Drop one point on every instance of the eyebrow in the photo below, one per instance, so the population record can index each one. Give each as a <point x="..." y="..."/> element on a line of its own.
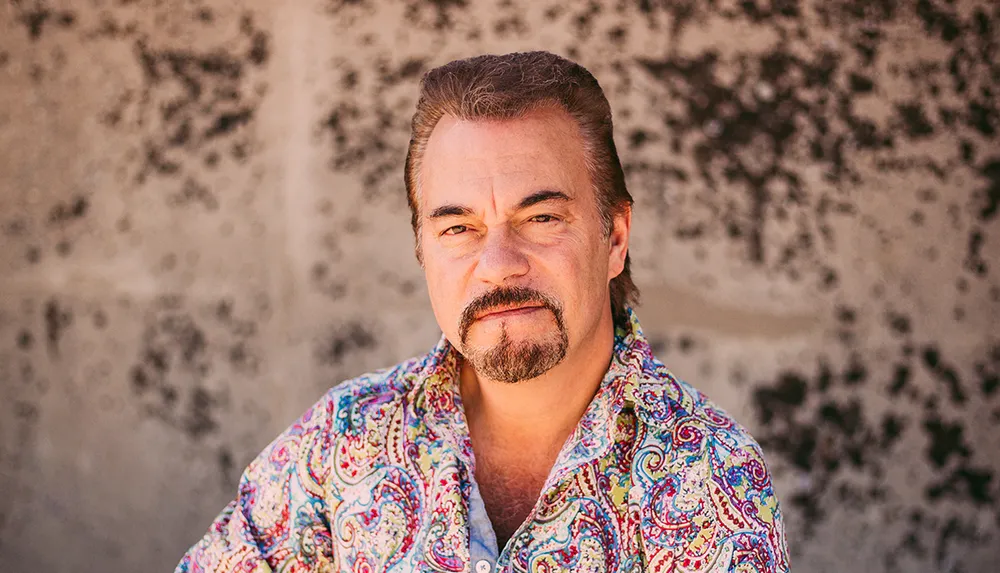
<point x="535" y="198"/>
<point x="541" y="197"/>
<point x="449" y="211"/>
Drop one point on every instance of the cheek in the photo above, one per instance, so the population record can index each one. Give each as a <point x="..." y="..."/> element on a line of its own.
<point x="593" y="278"/>
<point x="444" y="287"/>
<point x="592" y="253"/>
<point x="578" y="266"/>
<point x="437" y="284"/>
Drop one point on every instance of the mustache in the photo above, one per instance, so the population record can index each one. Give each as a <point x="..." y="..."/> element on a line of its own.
<point x="507" y="296"/>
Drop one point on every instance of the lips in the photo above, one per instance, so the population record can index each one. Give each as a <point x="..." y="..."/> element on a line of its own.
<point x="510" y="311"/>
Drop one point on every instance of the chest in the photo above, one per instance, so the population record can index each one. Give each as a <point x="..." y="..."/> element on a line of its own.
<point x="410" y="511"/>
<point x="581" y="529"/>
<point x="509" y="494"/>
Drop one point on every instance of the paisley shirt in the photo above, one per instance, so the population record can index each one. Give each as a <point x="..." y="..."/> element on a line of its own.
<point x="378" y="476"/>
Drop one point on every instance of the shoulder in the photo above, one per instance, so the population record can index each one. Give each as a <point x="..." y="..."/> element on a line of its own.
<point x="674" y="410"/>
<point x="705" y="493"/>
<point x="356" y="410"/>
<point x="362" y="403"/>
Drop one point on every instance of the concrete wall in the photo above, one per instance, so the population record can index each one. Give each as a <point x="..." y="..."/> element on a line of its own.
<point x="203" y="227"/>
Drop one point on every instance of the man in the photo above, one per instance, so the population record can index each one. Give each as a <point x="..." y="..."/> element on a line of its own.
<point x="540" y="434"/>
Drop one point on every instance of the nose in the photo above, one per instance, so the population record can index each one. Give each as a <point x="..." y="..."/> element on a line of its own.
<point x="501" y="258"/>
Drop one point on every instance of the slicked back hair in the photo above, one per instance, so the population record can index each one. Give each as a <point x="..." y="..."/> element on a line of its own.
<point x="510" y="86"/>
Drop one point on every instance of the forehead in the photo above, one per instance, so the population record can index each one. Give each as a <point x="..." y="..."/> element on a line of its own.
<point x="542" y="148"/>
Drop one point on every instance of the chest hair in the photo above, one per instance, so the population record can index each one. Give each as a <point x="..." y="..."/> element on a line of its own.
<point x="509" y="492"/>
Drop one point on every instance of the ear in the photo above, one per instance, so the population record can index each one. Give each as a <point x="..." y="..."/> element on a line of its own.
<point x="618" y="241"/>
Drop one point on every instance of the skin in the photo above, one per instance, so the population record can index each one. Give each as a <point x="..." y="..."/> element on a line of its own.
<point x="510" y="203"/>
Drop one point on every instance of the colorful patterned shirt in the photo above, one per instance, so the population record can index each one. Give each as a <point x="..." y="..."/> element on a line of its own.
<point x="378" y="476"/>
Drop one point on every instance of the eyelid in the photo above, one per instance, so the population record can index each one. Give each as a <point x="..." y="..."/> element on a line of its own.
<point x="446" y="233"/>
<point x="549" y="215"/>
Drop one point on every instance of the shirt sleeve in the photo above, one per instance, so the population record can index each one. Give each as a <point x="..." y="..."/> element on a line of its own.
<point x="278" y="520"/>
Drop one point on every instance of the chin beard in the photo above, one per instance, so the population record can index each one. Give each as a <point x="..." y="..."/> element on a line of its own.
<point x="511" y="362"/>
<point x="508" y="360"/>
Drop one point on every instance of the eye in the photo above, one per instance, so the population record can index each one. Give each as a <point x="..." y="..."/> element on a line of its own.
<point x="543" y="219"/>
<point x="457" y="229"/>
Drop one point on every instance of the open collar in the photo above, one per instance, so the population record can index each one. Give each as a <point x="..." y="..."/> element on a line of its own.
<point x="635" y="382"/>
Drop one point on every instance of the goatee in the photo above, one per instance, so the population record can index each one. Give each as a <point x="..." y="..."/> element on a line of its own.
<point x="508" y="360"/>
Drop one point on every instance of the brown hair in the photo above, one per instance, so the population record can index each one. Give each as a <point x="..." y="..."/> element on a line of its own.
<point x="492" y="87"/>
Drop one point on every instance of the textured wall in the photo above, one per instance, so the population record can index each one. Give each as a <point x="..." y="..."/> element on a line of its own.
<point x="203" y="227"/>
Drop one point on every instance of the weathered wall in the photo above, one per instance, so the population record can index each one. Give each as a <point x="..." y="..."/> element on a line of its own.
<point x="203" y="227"/>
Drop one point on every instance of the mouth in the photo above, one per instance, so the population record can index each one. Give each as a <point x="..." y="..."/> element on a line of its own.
<point x="509" y="312"/>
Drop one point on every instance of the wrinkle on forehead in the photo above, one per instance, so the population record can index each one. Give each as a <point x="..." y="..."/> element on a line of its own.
<point x="543" y="147"/>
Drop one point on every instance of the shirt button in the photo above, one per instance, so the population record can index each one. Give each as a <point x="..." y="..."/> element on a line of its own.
<point x="483" y="566"/>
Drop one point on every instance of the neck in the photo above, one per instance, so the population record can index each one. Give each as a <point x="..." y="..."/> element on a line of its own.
<point x="535" y="417"/>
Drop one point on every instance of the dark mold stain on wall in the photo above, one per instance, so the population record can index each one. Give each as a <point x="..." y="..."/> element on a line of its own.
<point x="183" y="104"/>
<point x="179" y="374"/>
<point x="195" y="108"/>
<point x="21" y="392"/>
<point x="365" y="130"/>
<point x="343" y="340"/>
<point x="437" y="15"/>
<point x="40" y="336"/>
<point x="64" y="212"/>
<point x="36" y="17"/>
<point x="58" y="229"/>
<point x="806" y="419"/>
<point x="57" y="319"/>
<point x="175" y="345"/>
<point x="785" y="111"/>
<point x="742" y="136"/>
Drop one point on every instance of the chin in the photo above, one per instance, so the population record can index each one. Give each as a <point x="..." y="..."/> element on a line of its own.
<point x="511" y="359"/>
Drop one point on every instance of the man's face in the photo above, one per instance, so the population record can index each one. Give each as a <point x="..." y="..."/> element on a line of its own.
<point x="516" y="258"/>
